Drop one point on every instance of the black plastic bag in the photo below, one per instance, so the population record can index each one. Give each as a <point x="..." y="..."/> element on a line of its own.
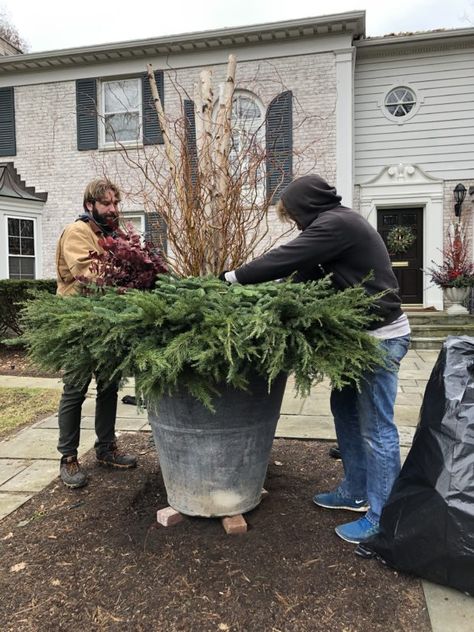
<point x="427" y="525"/>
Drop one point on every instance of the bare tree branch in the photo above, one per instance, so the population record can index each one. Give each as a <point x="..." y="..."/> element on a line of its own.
<point x="211" y="194"/>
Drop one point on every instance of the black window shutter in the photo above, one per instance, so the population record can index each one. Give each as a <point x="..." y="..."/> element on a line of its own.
<point x="7" y="122"/>
<point x="279" y="144"/>
<point x="86" y="112"/>
<point x="152" y="134"/>
<point x="190" y="136"/>
<point x="156" y="231"/>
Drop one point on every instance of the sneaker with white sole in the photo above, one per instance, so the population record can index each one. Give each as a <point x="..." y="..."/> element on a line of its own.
<point x="336" y="500"/>
<point x="357" y="531"/>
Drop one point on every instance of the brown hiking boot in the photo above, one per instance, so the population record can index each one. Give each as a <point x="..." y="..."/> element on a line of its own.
<point x="70" y="472"/>
<point x="113" y="457"/>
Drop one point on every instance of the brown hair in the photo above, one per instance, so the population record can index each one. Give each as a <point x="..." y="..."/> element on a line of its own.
<point x="282" y="212"/>
<point x="96" y="190"/>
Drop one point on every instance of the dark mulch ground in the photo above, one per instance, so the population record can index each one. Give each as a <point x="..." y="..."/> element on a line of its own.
<point x="14" y="361"/>
<point x="95" y="559"/>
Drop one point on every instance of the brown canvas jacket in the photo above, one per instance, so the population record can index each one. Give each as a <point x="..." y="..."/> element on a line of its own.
<point x="73" y="255"/>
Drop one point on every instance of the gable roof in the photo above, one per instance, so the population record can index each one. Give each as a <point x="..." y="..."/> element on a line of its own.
<point x="7" y="48"/>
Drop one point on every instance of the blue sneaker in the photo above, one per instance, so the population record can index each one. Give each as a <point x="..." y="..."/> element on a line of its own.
<point x="357" y="531"/>
<point x="335" y="500"/>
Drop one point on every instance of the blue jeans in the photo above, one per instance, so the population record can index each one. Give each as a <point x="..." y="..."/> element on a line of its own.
<point x="366" y="433"/>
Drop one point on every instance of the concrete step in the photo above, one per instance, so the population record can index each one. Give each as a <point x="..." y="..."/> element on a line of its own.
<point x="430" y="328"/>
<point x="426" y="343"/>
<point x="441" y="331"/>
<point x="441" y="318"/>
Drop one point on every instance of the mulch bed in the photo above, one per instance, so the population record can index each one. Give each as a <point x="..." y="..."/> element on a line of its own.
<point x="14" y="361"/>
<point x="95" y="559"/>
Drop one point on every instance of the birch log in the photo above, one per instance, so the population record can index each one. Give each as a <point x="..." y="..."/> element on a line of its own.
<point x="207" y="166"/>
<point x="222" y="141"/>
<point x="170" y="155"/>
<point x="225" y="116"/>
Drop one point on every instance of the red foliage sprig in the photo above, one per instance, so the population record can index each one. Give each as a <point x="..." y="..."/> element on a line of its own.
<point x="127" y="262"/>
<point x="457" y="269"/>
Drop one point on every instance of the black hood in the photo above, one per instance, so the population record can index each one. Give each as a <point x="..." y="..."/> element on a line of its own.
<point x="305" y="198"/>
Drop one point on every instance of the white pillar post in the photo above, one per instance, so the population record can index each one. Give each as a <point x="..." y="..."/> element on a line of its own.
<point x="345" y="123"/>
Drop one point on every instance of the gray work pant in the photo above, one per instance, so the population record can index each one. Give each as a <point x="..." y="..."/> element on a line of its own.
<point x="69" y="416"/>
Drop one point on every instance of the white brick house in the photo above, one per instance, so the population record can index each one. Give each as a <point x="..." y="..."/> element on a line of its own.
<point x="334" y="82"/>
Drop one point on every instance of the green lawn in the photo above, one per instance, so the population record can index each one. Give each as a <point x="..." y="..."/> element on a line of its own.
<point x="20" y="406"/>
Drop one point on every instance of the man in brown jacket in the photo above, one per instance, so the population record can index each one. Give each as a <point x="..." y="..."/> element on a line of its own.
<point x="73" y="260"/>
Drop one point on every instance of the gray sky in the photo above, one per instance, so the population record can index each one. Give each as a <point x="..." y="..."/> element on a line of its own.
<point x="53" y="24"/>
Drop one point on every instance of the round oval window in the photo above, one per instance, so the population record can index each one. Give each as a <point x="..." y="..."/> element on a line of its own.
<point x="400" y="101"/>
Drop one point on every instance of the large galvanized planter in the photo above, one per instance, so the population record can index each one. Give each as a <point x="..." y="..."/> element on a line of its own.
<point x="214" y="463"/>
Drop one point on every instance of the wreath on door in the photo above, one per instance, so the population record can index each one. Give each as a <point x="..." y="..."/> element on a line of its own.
<point x="399" y="239"/>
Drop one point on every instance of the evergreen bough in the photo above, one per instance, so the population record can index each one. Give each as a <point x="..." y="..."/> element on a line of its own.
<point x="199" y="332"/>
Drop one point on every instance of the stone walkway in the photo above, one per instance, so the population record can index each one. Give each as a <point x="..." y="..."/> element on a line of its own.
<point x="29" y="460"/>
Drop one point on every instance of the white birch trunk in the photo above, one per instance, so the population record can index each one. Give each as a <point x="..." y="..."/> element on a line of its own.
<point x="166" y="136"/>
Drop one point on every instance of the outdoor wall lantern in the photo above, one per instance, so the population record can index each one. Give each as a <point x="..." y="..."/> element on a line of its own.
<point x="459" y="195"/>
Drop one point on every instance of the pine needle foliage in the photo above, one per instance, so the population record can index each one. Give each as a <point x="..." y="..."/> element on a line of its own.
<point x="199" y="332"/>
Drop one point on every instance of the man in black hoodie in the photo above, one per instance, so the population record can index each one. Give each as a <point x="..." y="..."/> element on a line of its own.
<point x="334" y="239"/>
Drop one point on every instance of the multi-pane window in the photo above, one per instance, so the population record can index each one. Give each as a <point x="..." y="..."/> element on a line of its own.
<point x="400" y="101"/>
<point x="137" y="221"/>
<point x="247" y="124"/>
<point x="247" y="155"/>
<point x="122" y="111"/>
<point x="21" y="248"/>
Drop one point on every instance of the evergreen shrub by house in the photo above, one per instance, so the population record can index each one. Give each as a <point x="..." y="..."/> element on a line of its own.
<point x="13" y="294"/>
<point x="199" y="332"/>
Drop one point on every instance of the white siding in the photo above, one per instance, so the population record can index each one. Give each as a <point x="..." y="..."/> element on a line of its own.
<point x="440" y="136"/>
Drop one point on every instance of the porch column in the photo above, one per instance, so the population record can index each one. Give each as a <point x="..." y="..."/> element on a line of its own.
<point x="345" y="59"/>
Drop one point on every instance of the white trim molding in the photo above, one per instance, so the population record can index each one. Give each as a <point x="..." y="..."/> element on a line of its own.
<point x="406" y="185"/>
<point x="351" y="24"/>
<point x="345" y="60"/>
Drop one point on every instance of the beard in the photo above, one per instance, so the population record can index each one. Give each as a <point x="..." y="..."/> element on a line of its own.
<point x="108" y="223"/>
